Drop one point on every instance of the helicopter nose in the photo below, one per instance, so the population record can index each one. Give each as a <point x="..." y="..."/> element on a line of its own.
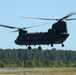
<point x="16" y="41"/>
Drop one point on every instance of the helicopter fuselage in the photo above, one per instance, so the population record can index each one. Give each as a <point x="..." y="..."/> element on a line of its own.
<point x="57" y="35"/>
<point x="41" y="38"/>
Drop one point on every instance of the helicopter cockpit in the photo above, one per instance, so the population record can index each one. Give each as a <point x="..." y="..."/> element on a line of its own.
<point x="21" y="32"/>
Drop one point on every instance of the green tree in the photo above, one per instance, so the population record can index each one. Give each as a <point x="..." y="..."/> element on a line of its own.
<point x="69" y="63"/>
<point x="20" y="63"/>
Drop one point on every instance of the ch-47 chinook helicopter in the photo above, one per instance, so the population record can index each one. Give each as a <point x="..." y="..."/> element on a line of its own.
<point x="56" y="35"/>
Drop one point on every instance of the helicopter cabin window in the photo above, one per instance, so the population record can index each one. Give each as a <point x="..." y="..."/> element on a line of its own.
<point x="27" y="37"/>
<point x="34" y="38"/>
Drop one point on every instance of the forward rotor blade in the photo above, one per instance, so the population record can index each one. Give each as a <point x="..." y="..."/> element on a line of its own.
<point x="31" y="26"/>
<point x="11" y="27"/>
<point x="39" y="18"/>
<point x="8" y="26"/>
<point x="36" y="25"/>
<point x="68" y="16"/>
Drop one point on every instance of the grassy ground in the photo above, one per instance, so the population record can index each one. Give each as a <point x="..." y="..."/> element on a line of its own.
<point x="39" y="71"/>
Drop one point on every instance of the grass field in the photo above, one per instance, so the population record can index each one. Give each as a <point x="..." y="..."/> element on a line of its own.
<point x="38" y="71"/>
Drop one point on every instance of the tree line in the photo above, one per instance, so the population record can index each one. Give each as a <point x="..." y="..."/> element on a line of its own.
<point x="37" y="58"/>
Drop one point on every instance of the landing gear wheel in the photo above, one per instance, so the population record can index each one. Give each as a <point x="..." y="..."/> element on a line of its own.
<point x="62" y="45"/>
<point x="51" y="45"/>
<point x="29" y="47"/>
<point x="39" y="48"/>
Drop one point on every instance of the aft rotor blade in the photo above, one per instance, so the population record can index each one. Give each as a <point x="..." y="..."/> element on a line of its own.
<point x="53" y="19"/>
<point x="39" y="18"/>
<point x="68" y="16"/>
<point x="8" y="26"/>
<point x="71" y="19"/>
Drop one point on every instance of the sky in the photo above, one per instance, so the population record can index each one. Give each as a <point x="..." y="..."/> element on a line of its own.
<point x="11" y="10"/>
